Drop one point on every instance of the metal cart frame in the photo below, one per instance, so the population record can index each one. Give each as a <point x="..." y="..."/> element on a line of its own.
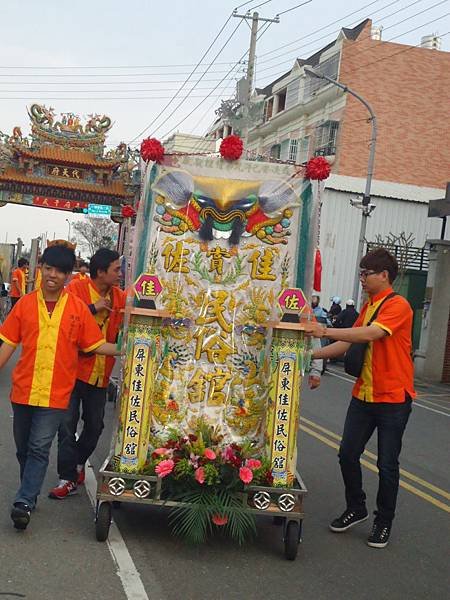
<point x="283" y="505"/>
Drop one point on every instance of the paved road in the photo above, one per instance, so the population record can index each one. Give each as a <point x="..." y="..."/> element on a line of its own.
<point x="57" y="557"/>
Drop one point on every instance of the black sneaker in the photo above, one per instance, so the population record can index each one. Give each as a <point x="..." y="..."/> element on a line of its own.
<point x="347" y="520"/>
<point x="379" y="537"/>
<point x="20" y="514"/>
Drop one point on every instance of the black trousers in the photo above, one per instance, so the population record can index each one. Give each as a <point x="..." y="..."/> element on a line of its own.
<point x="72" y="452"/>
<point x="362" y="419"/>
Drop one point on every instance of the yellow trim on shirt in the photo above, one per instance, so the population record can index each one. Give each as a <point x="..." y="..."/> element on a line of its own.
<point x="94" y="346"/>
<point x="7" y="341"/>
<point x="383" y="327"/>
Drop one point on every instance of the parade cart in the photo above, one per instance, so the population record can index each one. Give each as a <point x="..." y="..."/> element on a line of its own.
<point x="223" y="262"/>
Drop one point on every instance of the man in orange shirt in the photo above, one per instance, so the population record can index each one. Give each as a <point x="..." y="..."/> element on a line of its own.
<point x="106" y="301"/>
<point x="52" y="326"/>
<point x="382" y="393"/>
<point x="82" y="273"/>
<point x="19" y="281"/>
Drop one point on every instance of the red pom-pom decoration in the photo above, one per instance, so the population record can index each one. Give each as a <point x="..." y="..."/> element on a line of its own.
<point x="317" y="168"/>
<point x="128" y="211"/>
<point x="231" y="147"/>
<point x="152" y="149"/>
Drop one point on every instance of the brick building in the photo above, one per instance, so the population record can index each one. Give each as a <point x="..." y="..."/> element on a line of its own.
<point x="408" y="88"/>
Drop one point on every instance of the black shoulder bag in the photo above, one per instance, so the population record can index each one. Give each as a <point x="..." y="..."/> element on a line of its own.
<point x="354" y="357"/>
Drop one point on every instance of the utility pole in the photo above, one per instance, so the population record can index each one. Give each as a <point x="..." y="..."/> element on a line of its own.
<point x="365" y="206"/>
<point x="255" y="19"/>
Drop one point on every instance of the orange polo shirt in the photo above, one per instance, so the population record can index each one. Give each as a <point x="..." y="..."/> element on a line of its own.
<point x="46" y="371"/>
<point x="387" y="371"/>
<point x="18" y="283"/>
<point x="95" y="369"/>
<point x="79" y="277"/>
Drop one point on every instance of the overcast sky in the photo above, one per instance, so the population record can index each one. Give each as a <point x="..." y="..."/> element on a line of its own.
<point x="159" y="44"/>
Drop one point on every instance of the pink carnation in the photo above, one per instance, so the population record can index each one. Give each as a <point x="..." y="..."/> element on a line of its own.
<point x="164" y="468"/>
<point x="209" y="454"/>
<point x="200" y="475"/>
<point x="245" y="474"/>
<point x="161" y="451"/>
<point x="253" y="463"/>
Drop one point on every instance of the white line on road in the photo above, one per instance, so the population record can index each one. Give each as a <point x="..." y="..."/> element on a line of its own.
<point x="416" y="403"/>
<point x="126" y="569"/>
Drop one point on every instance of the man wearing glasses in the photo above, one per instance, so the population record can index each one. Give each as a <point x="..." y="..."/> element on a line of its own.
<point x="381" y="396"/>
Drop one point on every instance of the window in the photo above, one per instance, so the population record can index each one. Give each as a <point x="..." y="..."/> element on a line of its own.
<point x="302" y="154"/>
<point x="328" y="67"/>
<point x="281" y="101"/>
<point x="284" y="150"/>
<point x="325" y="140"/>
<point x="268" y="109"/>
<point x="292" y="93"/>
<point x="293" y="147"/>
<point x="275" y="151"/>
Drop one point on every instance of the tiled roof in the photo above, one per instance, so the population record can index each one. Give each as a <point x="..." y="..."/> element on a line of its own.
<point x="116" y="188"/>
<point x="66" y="156"/>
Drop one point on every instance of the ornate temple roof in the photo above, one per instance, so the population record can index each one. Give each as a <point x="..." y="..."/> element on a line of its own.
<point x="113" y="188"/>
<point x="71" y="156"/>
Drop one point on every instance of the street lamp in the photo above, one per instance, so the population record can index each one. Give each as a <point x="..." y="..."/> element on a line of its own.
<point x="68" y="238"/>
<point x="365" y="205"/>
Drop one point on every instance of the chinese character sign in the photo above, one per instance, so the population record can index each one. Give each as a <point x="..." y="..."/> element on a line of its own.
<point x="220" y="241"/>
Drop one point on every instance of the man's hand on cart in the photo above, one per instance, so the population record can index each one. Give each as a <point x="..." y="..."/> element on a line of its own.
<point x="315" y="329"/>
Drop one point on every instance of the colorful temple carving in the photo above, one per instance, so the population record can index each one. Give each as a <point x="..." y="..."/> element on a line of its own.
<point x="63" y="164"/>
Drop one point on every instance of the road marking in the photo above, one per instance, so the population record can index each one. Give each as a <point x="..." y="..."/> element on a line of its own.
<point x="403" y="472"/>
<point x="371" y="467"/>
<point x="126" y="569"/>
<point x="434" y="404"/>
<point x="416" y="403"/>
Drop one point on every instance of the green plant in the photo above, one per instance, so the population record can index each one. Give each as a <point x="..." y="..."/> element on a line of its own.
<point x="194" y="519"/>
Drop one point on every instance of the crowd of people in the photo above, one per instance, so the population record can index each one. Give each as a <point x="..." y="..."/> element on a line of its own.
<point x="67" y="329"/>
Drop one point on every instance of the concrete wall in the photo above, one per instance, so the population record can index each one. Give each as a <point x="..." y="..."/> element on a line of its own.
<point x="429" y="360"/>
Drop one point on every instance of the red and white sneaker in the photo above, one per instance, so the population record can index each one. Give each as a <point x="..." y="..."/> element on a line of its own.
<point x="81" y="474"/>
<point x="63" y="489"/>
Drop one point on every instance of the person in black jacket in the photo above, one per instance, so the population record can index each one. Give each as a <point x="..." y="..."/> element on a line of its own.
<point x="347" y="317"/>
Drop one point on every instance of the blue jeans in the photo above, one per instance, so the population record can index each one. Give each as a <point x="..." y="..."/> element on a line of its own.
<point x="362" y="419"/>
<point x="34" y="430"/>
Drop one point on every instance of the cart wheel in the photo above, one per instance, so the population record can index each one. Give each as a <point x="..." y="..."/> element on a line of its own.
<point x="103" y="521"/>
<point x="116" y="504"/>
<point x="291" y="540"/>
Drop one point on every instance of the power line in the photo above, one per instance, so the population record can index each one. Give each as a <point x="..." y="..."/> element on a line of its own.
<point x="193" y="87"/>
<point x="99" y="82"/>
<point x="60" y="67"/>
<point x="320" y="29"/>
<point x="381" y="41"/>
<point x="293" y="8"/>
<point x="185" y="82"/>
<point x="200" y="103"/>
<point x="326" y="35"/>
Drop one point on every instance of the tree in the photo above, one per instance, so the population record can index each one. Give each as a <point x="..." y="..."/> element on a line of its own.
<point x="93" y="233"/>
<point x="402" y="247"/>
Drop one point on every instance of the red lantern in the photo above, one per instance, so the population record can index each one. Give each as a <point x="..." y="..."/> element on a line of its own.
<point x="128" y="211"/>
<point x="317" y="168"/>
<point x="231" y="147"/>
<point x="152" y="150"/>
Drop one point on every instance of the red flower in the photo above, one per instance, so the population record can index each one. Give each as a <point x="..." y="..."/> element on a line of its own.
<point x="245" y="474"/>
<point x="164" y="468"/>
<point x="269" y="478"/>
<point x="219" y="520"/>
<point x="152" y="149"/>
<point x="231" y="147"/>
<point x="200" y="475"/>
<point x="128" y="211"/>
<point x="209" y="454"/>
<point x="173" y="405"/>
<point x="318" y="168"/>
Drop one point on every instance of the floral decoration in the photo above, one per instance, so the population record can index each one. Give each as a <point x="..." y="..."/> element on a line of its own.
<point x="317" y="168"/>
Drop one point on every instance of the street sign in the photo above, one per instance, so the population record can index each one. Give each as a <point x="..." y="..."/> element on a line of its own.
<point x="99" y="210"/>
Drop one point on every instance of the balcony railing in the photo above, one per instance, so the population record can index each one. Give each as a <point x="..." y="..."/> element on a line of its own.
<point x="325" y="151"/>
